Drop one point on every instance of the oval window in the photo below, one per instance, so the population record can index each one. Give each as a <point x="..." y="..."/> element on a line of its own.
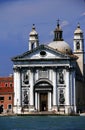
<point x="42" y="53"/>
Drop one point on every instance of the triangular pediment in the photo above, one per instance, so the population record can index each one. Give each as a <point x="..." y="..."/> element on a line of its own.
<point x="41" y="52"/>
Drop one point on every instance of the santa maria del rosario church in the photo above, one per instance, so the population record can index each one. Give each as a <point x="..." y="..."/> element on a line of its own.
<point x="50" y="77"/>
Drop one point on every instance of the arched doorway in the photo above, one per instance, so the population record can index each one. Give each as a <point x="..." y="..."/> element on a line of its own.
<point x="43" y="92"/>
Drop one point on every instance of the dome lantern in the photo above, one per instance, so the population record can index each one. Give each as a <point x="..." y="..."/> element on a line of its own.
<point x="58" y="33"/>
<point x="58" y="43"/>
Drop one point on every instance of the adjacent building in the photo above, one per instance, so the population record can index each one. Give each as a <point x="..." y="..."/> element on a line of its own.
<point x="50" y="77"/>
<point x="6" y="94"/>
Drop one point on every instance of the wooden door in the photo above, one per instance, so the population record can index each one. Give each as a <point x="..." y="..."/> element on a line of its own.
<point x="43" y="101"/>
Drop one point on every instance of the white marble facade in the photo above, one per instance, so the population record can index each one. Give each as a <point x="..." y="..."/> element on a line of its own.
<point x="44" y="76"/>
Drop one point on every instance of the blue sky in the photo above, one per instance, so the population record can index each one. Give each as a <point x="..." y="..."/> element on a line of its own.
<point x="17" y="17"/>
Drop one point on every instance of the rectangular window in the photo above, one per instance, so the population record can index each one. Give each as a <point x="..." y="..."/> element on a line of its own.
<point x="10" y="106"/>
<point x="9" y="97"/>
<point x="1" y="98"/>
<point x="6" y="85"/>
<point x="11" y="85"/>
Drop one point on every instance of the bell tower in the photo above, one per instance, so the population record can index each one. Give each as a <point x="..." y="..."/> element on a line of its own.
<point x="33" y="39"/>
<point x="79" y="49"/>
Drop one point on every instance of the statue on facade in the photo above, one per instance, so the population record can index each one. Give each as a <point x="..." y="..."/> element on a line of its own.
<point x="26" y="79"/>
<point x="61" y="78"/>
<point x="25" y="98"/>
<point x="61" y="97"/>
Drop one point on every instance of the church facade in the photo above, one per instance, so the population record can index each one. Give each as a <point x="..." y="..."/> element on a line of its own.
<point x="45" y="76"/>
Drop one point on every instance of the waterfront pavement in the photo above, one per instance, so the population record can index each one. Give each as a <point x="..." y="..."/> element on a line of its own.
<point x="44" y="113"/>
<point x="29" y="113"/>
<point x="82" y="114"/>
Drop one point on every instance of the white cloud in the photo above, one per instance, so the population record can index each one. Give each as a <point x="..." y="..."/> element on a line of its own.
<point x="51" y="33"/>
<point x="64" y="23"/>
<point x="83" y="14"/>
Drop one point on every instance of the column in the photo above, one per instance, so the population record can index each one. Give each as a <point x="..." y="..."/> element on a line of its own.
<point x="50" y="74"/>
<point x="29" y="45"/>
<point x="49" y="101"/>
<point x="54" y="90"/>
<point x="74" y="92"/>
<point x="74" y="45"/>
<point x="36" y="101"/>
<point x="17" y="91"/>
<point x="31" y="107"/>
<point x="67" y="100"/>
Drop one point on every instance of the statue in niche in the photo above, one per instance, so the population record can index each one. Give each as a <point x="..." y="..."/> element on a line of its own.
<point x="61" y="97"/>
<point x="61" y="78"/>
<point x="26" y="78"/>
<point x="25" y="98"/>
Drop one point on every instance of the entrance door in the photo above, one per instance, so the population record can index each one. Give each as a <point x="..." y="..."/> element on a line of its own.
<point x="43" y="101"/>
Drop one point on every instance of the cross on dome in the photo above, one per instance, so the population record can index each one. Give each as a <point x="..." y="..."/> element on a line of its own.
<point x="33" y="26"/>
<point x="58" y="23"/>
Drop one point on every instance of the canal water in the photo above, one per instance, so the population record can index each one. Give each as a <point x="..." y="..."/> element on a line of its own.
<point x="42" y="123"/>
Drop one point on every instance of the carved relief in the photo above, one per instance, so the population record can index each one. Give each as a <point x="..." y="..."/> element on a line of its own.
<point x="43" y="73"/>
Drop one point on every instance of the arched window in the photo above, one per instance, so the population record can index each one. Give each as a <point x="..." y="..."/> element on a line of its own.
<point x="77" y="45"/>
<point x="33" y="46"/>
